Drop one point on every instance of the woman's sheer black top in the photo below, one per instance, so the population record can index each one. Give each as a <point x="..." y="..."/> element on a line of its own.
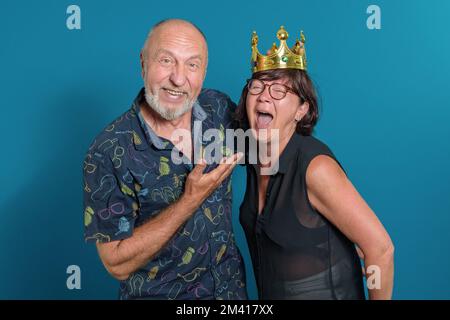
<point x="296" y="252"/>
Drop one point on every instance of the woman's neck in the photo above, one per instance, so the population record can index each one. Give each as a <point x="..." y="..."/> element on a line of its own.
<point x="270" y="159"/>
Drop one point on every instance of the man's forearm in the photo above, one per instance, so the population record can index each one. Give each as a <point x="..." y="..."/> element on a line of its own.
<point x="121" y="258"/>
<point x="132" y="253"/>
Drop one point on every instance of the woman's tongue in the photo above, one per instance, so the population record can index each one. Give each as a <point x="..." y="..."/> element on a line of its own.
<point x="263" y="120"/>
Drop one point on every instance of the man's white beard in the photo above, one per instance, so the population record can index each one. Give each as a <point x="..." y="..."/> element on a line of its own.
<point x="163" y="111"/>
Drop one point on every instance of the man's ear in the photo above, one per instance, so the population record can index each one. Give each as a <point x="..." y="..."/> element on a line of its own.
<point x="142" y="65"/>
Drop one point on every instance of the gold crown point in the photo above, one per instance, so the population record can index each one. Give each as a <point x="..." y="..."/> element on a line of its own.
<point x="273" y="49"/>
<point x="282" y="34"/>
<point x="296" y="48"/>
<point x="254" y="38"/>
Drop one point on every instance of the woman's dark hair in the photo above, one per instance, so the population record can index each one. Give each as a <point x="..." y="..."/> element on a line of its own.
<point x="301" y="84"/>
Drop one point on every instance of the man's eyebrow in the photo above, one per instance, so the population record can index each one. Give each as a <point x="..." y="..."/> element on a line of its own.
<point x="197" y="56"/>
<point x="159" y="51"/>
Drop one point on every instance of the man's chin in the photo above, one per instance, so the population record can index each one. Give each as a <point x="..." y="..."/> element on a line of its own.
<point x="173" y="112"/>
<point x="167" y="110"/>
<point x="172" y="108"/>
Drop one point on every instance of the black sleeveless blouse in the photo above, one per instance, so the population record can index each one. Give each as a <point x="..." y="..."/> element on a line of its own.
<point x="296" y="252"/>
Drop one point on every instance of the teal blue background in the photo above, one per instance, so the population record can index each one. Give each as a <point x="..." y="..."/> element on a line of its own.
<point x="385" y="112"/>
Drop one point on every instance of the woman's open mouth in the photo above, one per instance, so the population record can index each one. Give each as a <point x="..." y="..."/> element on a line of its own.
<point x="263" y="119"/>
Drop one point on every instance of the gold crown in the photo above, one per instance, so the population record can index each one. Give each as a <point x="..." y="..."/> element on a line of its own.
<point x="279" y="57"/>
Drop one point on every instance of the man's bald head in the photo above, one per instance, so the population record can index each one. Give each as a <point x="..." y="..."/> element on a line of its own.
<point x="173" y="25"/>
<point x="179" y="22"/>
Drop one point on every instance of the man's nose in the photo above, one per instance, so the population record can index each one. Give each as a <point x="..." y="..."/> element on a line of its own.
<point x="178" y="75"/>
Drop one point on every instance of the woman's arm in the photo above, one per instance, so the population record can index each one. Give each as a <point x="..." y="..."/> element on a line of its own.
<point x="334" y="196"/>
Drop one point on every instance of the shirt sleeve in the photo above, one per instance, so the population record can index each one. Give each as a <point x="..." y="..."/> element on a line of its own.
<point x="109" y="204"/>
<point x="229" y="115"/>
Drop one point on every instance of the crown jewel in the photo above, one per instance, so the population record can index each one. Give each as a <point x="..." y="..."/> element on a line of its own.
<point x="279" y="57"/>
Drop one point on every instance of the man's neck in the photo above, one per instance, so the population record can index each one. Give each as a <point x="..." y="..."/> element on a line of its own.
<point x="162" y="127"/>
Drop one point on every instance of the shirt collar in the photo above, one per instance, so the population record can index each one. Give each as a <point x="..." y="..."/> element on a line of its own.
<point x="198" y="114"/>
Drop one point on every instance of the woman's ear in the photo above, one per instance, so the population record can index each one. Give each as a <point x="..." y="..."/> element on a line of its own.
<point x="301" y="111"/>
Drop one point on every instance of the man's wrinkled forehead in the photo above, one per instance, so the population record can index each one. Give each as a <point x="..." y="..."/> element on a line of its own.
<point x="180" y="33"/>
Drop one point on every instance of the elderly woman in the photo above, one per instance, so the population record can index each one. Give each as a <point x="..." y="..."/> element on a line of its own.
<point x="303" y="221"/>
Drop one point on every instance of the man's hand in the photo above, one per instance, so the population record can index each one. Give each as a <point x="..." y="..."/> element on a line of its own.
<point x="123" y="257"/>
<point x="200" y="185"/>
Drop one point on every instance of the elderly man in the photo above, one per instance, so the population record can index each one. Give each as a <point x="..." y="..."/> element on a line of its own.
<point x="164" y="229"/>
